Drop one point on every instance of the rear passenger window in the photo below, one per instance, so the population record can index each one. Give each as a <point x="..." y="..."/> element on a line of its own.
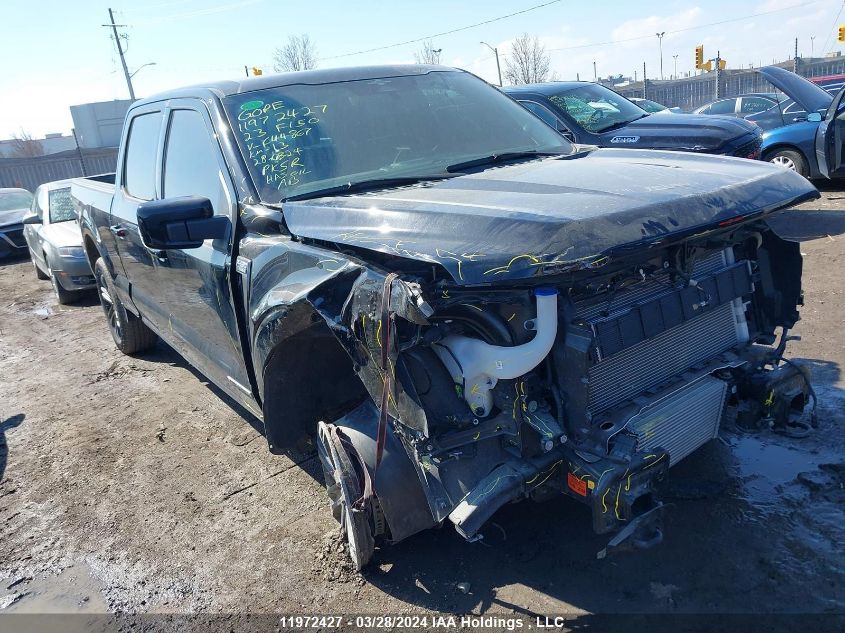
<point x="190" y="161"/>
<point x="139" y="171"/>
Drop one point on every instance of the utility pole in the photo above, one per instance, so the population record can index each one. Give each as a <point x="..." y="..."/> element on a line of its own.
<point x="645" y="83"/>
<point x="718" y="61"/>
<point x="120" y="52"/>
<point x="246" y="70"/>
<point x="660" y="44"/>
<point x="795" y="58"/>
<point x="496" y="53"/>
<point x="812" y="46"/>
<point x="676" y="65"/>
<point x="595" y="74"/>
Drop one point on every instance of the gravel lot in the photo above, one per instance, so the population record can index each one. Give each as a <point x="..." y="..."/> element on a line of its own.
<point x="128" y="484"/>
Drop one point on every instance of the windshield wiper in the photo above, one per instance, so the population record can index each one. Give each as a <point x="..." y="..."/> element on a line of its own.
<point x="619" y="124"/>
<point x="364" y="185"/>
<point x="499" y="158"/>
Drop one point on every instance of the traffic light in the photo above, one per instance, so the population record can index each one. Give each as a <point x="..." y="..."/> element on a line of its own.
<point x="722" y="64"/>
<point x="842" y="33"/>
<point x="257" y="71"/>
<point x="699" y="56"/>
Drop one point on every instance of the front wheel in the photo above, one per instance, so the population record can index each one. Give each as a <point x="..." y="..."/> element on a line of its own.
<point x="128" y="331"/>
<point x="790" y="159"/>
<point x="39" y="274"/>
<point x="64" y="297"/>
<point x="344" y="487"/>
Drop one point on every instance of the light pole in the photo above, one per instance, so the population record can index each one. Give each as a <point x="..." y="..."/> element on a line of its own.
<point x="812" y="48"/>
<point x="676" y="65"/>
<point x="140" y="67"/>
<point x="660" y="44"/>
<point x="496" y="53"/>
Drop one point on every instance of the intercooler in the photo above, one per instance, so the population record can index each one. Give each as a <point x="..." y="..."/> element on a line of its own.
<point x="646" y="337"/>
<point x="683" y="421"/>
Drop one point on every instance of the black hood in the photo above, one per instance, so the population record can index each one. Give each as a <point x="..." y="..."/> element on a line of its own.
<point x="805" y="93"/>
<point x="543" y="216"/>
<point x="686" y="132"/>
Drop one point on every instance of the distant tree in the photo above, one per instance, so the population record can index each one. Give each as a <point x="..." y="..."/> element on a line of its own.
<point x="528" y="62"/>
<point x="24" y="146"/>
<point x="298" y="54"/>
<point x="427" y="54"/>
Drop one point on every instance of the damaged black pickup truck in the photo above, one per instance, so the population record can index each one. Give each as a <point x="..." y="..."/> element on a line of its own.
<point x="461" y="309"/>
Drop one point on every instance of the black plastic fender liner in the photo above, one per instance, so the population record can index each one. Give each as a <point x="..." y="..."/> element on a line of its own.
<point x="396" y="484"/>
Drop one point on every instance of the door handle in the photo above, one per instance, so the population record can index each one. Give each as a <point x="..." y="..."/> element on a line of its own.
<point x="118" y="231"/>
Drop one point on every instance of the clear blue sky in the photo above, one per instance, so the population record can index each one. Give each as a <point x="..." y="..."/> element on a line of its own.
<point x="55" y="53"/>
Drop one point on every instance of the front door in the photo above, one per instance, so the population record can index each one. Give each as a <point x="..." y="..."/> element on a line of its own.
<point x="194" y="284"/>
<point x="135" y="183"/>
<point x="830" y="139"/>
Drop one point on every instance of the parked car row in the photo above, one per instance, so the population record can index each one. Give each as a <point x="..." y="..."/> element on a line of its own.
<point x="45" y="226"/>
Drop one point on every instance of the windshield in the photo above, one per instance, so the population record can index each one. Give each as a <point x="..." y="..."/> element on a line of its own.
<point x="596" y="108"/>
<point x="18" y="199"/>
<point x="304" y="138"/>
<point x="61" y="206"/>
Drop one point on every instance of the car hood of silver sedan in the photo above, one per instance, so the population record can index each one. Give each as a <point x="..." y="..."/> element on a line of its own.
<point x="63" y="234"/>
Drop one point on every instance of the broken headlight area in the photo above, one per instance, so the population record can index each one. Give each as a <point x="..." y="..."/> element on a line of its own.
<point x="591" y="384"/>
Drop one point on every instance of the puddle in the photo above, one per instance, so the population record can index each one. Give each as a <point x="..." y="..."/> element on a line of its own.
<point x="765" y="467"/>
<point x="72" y="591"/>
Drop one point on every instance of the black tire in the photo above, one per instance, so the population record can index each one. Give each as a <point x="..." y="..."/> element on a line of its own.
<point x="64" y="297"/>
<point x="790" y="159"/>
<point x="344" y="487"/>
<point x="128" y="331"/>
<point x="40" y="274"/>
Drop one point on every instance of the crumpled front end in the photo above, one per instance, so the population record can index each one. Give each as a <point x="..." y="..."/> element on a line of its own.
<point x="592" y="383"/>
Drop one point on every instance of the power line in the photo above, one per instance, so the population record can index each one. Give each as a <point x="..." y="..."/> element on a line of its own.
<point x="430" y="37"/>
<point x="835" y="22"/>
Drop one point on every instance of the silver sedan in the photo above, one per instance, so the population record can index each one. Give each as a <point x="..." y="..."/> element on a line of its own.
<point x="55" y="243"/>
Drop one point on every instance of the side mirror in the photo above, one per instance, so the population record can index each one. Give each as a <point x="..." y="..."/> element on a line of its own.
<point x="180" y="223"/>
<point x="32" y="219"/>
<point x="814" y="117"/>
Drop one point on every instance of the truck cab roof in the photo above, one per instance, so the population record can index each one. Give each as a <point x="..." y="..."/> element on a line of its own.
<point x="230" y="87"/>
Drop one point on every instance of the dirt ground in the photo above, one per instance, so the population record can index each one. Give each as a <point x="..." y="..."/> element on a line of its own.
<point x="129" y="484"/>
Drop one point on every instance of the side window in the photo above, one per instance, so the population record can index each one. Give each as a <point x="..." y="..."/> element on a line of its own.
<point x="548" y="118"/>
<point x="61" y="206"/>
<point x="726" y="106"/>
<point x="705" y="110"/>
<point x="190" y="161"/>
<point x="544" y="113"/>
<point x="35" y="207"/>
<point x="140" y="163"/>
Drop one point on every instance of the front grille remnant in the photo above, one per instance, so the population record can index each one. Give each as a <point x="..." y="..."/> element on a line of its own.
<point x="683" y="421"/>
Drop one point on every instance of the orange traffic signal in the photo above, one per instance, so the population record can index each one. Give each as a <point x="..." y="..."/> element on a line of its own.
<point x="257" y="71"/>
<point x="842" y="33"/>
<point x="699" y="56"/>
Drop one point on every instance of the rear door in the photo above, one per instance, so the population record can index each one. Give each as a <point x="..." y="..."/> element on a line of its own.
<point x="136" y="182"/>
<point x="193" y="285"/>
<point x="830" y="140"/>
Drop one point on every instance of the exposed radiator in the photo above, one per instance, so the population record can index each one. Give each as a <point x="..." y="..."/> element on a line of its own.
<point x="659" y="356"/>
<point x="683" y="421"/>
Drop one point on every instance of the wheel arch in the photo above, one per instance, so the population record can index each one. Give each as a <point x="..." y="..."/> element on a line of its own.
<point x="303" y="356"/>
